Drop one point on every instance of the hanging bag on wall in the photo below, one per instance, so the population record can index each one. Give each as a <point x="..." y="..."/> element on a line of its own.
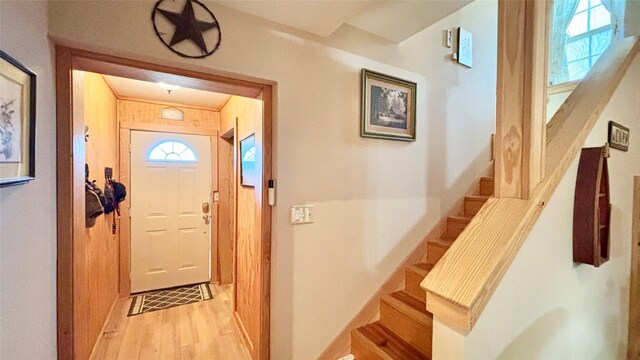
<point x="93" y="207"/>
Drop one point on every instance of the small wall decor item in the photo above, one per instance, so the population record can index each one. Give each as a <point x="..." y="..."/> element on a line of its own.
<point x="618" y="136"/>
<point x="591" y="208"/>
<point x="18" y="123"/>
<point x="177" y="21"/>
<point x="248" y="161"/>
<point x="388" y="107"/>
<point x="172" y="113"/>
<point x="465" y="47"/>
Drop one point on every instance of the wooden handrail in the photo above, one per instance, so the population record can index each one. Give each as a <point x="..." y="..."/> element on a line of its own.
<point x="462" y="282"/>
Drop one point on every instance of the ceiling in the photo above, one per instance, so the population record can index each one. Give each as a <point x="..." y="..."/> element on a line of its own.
<point x="395" y="21"/>
<point x="130" y="88"/>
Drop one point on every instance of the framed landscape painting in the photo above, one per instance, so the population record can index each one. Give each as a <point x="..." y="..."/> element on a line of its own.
<point x="17" y="126"/>
<point x="388" y="107"/>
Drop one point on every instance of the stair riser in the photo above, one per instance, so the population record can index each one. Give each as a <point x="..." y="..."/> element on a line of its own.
<point x="414" y="333"/>
<point x="455" y="228"/>
<point x="435" y="253"/>
<point x="486" y="187"/>
<point x="361" y="348"/>
<point x="412" y="282"/>
<point x="472" y="206"/>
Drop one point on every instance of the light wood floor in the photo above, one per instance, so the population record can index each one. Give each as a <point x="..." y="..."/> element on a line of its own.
<point x="203" y="330"/>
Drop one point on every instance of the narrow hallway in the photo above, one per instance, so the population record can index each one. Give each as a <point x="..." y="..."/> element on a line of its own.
<point x="202" y="330"/>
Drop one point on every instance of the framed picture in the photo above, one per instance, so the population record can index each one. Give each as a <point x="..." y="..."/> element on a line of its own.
<point x="465" y="47"/>
<point x="618" y="136"/>
<point x="18" y="123"/>
<point x="388" y="107"/>
<point x="248" y="161"/>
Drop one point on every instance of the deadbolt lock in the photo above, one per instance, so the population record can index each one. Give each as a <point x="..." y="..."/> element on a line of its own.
<point x="205" y="207"/>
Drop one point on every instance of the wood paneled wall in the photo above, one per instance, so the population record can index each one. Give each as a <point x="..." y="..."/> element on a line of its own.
<point x="248" y="251"/>
<point x="150" y="113"/>
<point x="98" y="290"/>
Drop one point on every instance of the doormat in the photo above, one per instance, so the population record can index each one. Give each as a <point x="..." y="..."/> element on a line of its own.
<point x="163" y="299"/>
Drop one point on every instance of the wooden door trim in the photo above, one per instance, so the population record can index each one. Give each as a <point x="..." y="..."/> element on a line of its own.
<point x="70" y="172"/>
<point x="633" y="350"/>
<point x="125" y="214"/>
<point x="168" y="129"/>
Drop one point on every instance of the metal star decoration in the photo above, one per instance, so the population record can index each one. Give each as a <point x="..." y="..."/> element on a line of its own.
<point x="188" y="27"/>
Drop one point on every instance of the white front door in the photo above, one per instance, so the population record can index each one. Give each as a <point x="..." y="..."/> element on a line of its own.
<point x="170" y="232"/>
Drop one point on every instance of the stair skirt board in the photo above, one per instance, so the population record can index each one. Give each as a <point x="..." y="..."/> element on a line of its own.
<point x="167" y="298"/>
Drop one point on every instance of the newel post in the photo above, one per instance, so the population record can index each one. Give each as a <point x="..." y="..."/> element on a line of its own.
<point x="521" y="96"/>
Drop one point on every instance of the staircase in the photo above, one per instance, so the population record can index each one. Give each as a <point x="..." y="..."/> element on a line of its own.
<point x="405" y="328"/>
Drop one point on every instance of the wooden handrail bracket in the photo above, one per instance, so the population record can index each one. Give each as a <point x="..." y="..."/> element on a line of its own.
<point x="461" y="284"/>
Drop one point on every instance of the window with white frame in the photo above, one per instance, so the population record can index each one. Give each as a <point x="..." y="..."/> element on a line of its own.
<point x="589" y="35"/>
<point x="172" y="151"/>
<point x="580" y="32"/>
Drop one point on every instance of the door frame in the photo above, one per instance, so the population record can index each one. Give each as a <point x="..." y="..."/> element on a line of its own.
<point x="70" y="173"/>
<point x="125" y="129"/>
<point x="633" y="346"/>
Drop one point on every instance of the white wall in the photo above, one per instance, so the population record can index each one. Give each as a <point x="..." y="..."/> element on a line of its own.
<point x="554" y="101"/>
<point x="547" y="307"/>
<point x="27" y="212"/>
<point x="632" y="18"/>
<point x="375" y="199"/>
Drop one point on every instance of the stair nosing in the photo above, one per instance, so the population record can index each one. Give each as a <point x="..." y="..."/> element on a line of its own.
<point x="460" y="218"/>
<point x="440" y="242"/>
<point x="478" y="197"/>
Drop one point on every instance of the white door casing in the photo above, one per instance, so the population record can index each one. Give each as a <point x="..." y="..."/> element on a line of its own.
<point x="170" y="233"/>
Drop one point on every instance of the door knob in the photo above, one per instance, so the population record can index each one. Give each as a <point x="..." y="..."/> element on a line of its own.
<point x="206" y="219"/>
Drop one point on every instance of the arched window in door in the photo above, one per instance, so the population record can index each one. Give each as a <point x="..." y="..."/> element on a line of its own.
<point x="172" y="151"/>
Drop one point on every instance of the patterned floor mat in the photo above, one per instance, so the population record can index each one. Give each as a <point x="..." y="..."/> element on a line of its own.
<point x="163" y="299"/>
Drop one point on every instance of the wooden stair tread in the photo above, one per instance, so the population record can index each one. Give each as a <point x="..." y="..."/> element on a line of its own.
<point x="443" y="243"/>
<point x="421" y="268"/>
<point x="478" y="197"/>
<point x="385" y="344"/>
<point x="409" y="305"/>
<point x="461" y="218"/>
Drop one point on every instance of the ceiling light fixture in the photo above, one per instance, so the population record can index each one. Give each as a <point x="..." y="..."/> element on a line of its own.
<point x="168" y="87"/>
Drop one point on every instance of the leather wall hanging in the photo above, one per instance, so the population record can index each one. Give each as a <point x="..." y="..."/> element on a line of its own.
<point x="188" y="28"/>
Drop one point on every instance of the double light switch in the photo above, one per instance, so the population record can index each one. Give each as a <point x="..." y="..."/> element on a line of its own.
<point x="301" y="214"/>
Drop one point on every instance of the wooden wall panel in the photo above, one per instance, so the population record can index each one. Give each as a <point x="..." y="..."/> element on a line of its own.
<point x="149" y="113"/>
<point x="99" y="288"/>
<point x="248" y="250"/>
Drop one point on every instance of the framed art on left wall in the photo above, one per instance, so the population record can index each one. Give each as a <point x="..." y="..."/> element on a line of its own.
<point x="18" y="122"/>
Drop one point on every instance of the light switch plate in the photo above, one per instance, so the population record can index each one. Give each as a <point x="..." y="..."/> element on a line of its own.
<point x="301" y="214"/>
